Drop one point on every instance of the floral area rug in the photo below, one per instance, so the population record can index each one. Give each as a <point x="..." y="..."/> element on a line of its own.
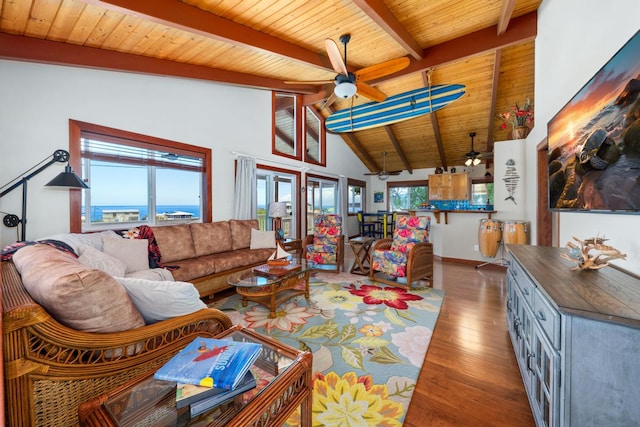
<point x="368" y="341"/>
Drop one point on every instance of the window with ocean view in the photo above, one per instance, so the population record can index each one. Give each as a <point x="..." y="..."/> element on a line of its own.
<point x="133" y="182"/>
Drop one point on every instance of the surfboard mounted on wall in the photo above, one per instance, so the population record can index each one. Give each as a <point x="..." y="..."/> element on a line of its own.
<point x="394" y="109"/>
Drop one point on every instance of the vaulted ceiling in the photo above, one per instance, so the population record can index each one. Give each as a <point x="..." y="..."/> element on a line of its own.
<point x="486" y="45"/>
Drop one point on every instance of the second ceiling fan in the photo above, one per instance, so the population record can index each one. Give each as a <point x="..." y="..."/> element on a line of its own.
<point x="384" y="174"/>
<point x="347" y="84"/>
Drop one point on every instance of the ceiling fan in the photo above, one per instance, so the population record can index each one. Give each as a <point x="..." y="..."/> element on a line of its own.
<point x="347" y="84"/>
<point x="384" y="174"/>
<point x="473" y="157"/>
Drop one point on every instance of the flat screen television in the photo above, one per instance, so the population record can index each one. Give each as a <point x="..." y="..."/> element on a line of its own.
<point x="594" y="140"/>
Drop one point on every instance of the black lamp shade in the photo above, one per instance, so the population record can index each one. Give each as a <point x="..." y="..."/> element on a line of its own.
<point x="67" y="179"/>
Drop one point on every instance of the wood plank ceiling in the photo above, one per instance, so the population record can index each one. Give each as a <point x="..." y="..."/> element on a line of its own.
<point x="487" y="45"/>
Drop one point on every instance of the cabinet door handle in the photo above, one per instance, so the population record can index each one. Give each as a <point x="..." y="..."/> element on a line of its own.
<point x="541" y="315"/>
<point x="525" y="291"/>
<point x="516" y="327"/>
<point x="508" y="304"/>
<point x="529" y="357"/>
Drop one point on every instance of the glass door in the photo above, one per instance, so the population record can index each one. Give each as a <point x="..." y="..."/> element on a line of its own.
<point x="275" y="186"/>
<point x="322" y="197"/>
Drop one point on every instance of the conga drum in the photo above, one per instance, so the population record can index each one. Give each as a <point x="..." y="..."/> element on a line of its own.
<point x="514" y="232"/>
<point x="489" y="235"/>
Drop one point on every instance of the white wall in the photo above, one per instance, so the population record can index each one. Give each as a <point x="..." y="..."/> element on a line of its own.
<point x="575" y="39"/>
<point x="38" y="101"/>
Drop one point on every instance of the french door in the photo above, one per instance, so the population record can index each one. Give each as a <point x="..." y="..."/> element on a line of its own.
<point x="277" y="186"/>
<point x="322" y="197"/>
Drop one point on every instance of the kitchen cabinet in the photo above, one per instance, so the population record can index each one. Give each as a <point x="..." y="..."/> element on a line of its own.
<point x="576" y="337"/>
<point x="450" y="186"/>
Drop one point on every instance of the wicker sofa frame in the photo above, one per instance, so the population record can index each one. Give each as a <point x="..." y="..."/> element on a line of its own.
<point x="49" y="369"/>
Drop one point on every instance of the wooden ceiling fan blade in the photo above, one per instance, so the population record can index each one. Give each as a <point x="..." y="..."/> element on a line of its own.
<point x="383" y="69"/>
<point x="308" y="82"/>
<point x="334" y="56"/>
<point x="329" y="101"/>
<point x="370" y="92"/>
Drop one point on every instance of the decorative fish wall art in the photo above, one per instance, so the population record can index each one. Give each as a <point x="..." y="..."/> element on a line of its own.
<point x="511" y="179"/>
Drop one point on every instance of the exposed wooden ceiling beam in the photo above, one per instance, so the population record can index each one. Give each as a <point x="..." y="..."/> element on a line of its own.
<point x="399" y="151"/>
<point x="357" y="147"/>
<point x="522" y="28"/>
<point x="381" y="15"/>
<point x="176" y="14"/>
<point x="434" y="124"/>
<point x="494" y="95"/>
<point x="505" y="15"/>
<point x="50" y="52"/>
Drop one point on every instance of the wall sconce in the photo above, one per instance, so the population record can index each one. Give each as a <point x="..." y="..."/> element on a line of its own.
<point x="277" y="210"/>
<point x="66" y="179"/>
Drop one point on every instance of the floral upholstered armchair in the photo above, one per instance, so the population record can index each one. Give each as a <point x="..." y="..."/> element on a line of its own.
<point x="326" y="245"/>
<point x="405" y="258"/>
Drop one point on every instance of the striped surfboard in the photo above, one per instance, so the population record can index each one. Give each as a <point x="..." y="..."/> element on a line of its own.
<point x="394" y="109"/>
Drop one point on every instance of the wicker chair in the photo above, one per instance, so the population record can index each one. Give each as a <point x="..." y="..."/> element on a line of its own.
<point x="405" y="258"/>
<point x="49" y="369"/>
<point x="326" y="245"/>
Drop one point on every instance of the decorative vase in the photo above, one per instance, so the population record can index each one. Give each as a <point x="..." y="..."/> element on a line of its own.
<point x="519" y="132"/>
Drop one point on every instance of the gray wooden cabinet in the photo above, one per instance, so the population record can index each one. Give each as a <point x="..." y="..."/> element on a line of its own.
<point x="576" y="337"/>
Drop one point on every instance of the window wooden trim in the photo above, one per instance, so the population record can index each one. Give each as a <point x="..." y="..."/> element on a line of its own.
<point x="322" y="137"/>
<point x="76" y="130"/>
<point x="297" y="155"/>
<point x="357" y="183"/>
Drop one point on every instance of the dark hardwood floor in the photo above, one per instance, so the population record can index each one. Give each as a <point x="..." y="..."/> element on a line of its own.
<point x="470" y="376"/>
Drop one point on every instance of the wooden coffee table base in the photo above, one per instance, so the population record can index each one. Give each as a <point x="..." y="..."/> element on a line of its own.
<point x="275" y="294"/>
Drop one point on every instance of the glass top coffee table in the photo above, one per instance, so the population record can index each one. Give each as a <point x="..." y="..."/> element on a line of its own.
<point x="273" y="285"/>
<point x="283" y="376"/>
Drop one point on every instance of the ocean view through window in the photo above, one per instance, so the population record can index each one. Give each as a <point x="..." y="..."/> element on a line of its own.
<point x="135" y="179"/>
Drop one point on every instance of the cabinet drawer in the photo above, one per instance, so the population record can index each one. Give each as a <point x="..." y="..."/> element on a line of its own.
<point x="523" y="282"/>
<point x="547" y="317"/>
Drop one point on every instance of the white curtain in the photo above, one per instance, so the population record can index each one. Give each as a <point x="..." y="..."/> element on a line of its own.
<point x="343" y="195"/>
<point x="245" y="197"/>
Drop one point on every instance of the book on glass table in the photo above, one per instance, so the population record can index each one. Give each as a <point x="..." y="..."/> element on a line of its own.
<point x="186" y="394"/>
<point x="202" y="405"/>
<point x="211" y="362"/>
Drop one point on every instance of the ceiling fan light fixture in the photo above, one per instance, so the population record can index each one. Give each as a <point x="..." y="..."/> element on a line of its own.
<point x="383" y="176"/>
<point x="345" y="90"/>
<point x="476" y="161"/>
<point x="468" y="162"/>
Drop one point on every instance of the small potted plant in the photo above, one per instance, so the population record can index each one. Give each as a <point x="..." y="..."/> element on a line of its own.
<point x="520" y="118"/>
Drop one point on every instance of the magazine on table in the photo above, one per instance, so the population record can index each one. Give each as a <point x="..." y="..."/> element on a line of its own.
<point x="211" y="362"/>
<point x="201" y="405"/>
<point x="187" y="394"/>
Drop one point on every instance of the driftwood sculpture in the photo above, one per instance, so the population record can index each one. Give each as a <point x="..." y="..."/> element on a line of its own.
<point x="592" y="254"/>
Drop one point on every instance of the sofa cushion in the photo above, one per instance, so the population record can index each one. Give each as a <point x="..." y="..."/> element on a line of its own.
<point x="133" y="252"/>
<point x="81" y="298"/>
<point x="175" y="242"/>
<point x="161" y="300"/>
<point x="93" y="258"/>
<point x="262" y="239"/>
<point x="241" y="258"/>
<point x="241" y="232"/>
<point x="194" y="268"/>
<point x="211" y="238"/>
<point x="206" y="265"/>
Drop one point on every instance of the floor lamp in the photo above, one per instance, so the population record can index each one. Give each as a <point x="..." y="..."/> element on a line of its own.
<point x="277" y="210"/>
<point x="66" y="179"/>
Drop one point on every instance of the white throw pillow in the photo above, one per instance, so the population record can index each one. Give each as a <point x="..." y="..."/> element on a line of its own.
<point x="133" y="252"/>
<point x="262" y="239"/>
<point x="160" y="300"/>
<point x="93" y="258"/>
